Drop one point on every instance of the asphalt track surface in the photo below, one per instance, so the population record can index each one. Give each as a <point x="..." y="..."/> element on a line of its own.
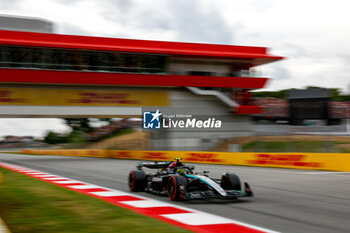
<point x="285" y="200"/>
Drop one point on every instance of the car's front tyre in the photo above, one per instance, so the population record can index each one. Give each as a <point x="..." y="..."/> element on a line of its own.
<point x="176" y="188"/>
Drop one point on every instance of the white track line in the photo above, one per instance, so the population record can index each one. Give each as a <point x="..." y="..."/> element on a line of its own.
<point x="196" y="219"/>
<point x="67" y="182"/>
<point x="35" y="173"/>
<point x="52" y="178"/>
<point x="43" y="176"/>
<point x="83" y="186"/>
<point x="109" y="193"/>
<point x="146" y="203"/>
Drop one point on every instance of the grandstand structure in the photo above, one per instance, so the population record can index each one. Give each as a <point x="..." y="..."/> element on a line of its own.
<point x="52" y="75"/>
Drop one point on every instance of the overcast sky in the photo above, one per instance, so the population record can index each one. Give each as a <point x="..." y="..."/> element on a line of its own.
<point x="313" y="35"/>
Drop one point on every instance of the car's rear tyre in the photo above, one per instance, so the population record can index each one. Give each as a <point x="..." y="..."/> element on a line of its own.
<point x="176" y="188"/>
<point x="137" y="181"/>
<point x="230" y="181"/>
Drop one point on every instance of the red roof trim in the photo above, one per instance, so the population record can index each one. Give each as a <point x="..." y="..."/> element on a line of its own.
<point x="131" y="45"/>
<point x="120" y="79"/>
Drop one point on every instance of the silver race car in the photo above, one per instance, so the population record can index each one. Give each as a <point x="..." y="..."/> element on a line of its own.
<point x="180" y="182"/>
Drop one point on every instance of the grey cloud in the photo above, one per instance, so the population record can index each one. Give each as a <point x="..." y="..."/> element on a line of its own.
<point x="123" y="5"/>
<point x="262" y="6"/>
<point x="70" y="29"/>
<point x="185" y="18"/>
<point x="345" y="56"/>
<point x="117" y="11"/>
<point x="156" y="20"/>
<point x="193" y="24"/>
<point x="67" y="2"/>
<point x="299" y="51"/>
<point x="280" y="72"/>
<point x="8" y="5"/>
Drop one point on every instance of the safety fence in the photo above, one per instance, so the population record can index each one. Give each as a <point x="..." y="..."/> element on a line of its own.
<point x="313" y="161"/>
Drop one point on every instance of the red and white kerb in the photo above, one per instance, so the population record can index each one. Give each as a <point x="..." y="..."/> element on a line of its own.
<point x="187" y="218"/>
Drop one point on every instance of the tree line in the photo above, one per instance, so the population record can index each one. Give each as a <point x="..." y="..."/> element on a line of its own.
<point x="335" y="95"/>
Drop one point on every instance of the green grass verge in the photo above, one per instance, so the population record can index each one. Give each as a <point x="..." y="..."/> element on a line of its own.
<point x="80" y="145"/>
<point x="30" y="205"/>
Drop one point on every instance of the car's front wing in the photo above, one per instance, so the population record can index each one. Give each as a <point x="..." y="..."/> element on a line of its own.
<point x="231" y="194"/>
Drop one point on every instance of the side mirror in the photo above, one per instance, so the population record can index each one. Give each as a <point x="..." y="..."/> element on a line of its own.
<point x="205" y="172"/>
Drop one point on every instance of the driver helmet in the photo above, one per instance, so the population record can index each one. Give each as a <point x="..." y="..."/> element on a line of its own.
<point x="178" y="163"/>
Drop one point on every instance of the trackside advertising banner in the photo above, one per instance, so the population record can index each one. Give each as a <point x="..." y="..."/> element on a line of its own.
<point x="313" y="161"/>
<point x="76" y="97"/>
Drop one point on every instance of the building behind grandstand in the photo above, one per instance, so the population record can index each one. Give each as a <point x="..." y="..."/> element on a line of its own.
<point x="303" y="107"/>
<point x="25" y="24"/>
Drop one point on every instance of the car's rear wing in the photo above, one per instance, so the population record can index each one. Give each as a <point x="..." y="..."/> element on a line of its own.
<point x="153" y="165"/>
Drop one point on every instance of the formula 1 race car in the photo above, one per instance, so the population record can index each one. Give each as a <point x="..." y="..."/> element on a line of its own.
<point x="180" y="182"/>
